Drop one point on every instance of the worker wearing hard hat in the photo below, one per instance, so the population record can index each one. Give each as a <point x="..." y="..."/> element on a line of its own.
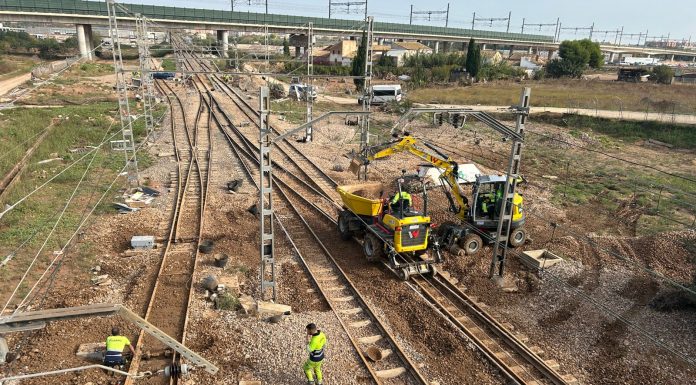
<point x="316" y="341"/>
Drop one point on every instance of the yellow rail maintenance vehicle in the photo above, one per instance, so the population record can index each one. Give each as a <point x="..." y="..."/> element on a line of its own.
<point x="478" y="216"/>
<point x="393" y="231"/>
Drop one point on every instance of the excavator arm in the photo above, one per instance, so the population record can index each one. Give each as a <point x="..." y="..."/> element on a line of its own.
<point x="458" y="202"/>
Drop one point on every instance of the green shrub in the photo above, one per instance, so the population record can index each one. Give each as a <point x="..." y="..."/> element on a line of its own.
<point x="227" y="301"/>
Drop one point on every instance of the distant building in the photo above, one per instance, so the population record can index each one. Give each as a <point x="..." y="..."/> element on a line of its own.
<point x="401" y="50"/>
<point x="491" y="57"/>
<point x="321" y="56"/>
<point x="343" y="52"/>
<point x="665" y="43"/>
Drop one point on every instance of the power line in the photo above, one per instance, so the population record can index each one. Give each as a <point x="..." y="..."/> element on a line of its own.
<point x="429" y="14"/>
<point x="344" y="7"/>
<point x="490" y="20"/>
<point x="55" y="226"/>
<point x="613" y="156"/>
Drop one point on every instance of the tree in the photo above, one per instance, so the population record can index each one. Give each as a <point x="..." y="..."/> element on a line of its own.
<point x="662" y="74"/>
<point x="473" y="58"/>
<point x="596" y="56"/>
<point x="358" y="68"/>
<point x="558" y="68"/>
<point x="575" y="55"/>
<point x="286" y="47"/>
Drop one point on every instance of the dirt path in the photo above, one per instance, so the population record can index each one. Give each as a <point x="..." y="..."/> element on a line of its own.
<point x="626" y="115"/>
<point x="9" y="84"/>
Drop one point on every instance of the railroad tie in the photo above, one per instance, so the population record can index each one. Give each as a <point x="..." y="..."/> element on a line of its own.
<point x="451" y="309"/>
<point x="517" y="369"/>
<point x="360" y="324"/>
<point x="553" y="364"/>
<point x="466" y="321"/>
<point x="537" y="350"/>
<point x="370" y="339"/>
<point x="334" y="288"/>
<point x="354" y="310"/>
<point x="343" y="299"/>
<point x="390" y="373"/>
<point x="325" y="278"/>
<point x="569" y="379"/>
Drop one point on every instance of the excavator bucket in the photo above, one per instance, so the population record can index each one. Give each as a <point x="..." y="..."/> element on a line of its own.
<point x="355" y="165"/>
<point x="356" y="161"/>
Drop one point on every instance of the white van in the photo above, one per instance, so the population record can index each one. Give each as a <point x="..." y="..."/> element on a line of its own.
<point x="384" y="94"/>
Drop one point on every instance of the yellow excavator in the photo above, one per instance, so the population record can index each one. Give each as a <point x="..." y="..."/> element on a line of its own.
<point x="479" y="216"/>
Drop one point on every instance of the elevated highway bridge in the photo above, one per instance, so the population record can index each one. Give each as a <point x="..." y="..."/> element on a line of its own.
<point x="85" y="14"/>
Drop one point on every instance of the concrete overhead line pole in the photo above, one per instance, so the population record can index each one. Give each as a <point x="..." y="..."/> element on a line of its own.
<point x="128" y="141"/>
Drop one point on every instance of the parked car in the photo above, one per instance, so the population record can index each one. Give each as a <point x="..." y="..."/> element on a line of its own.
<point x="299" y="92"/>
<point x="163" y="75"/>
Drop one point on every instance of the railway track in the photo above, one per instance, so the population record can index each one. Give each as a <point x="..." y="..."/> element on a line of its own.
<point x="364" y="329"/>
<point x="294" y="159"/>
<point x="517" y="363"/>
<point x="171" y="294"/>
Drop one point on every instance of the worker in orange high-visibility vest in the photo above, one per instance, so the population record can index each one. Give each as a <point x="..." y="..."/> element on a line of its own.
<point x="316" y="341"/>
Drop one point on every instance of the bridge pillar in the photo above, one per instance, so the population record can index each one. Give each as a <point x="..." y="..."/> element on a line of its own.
<point x="530" y="50"/>
<point x="611" y="56"/>
<point x="693" y="59"/>
<point x="223" y="38"/>
<point x="551" y="52"/>
<point x="483" y="47"/>
<point x="380" y="40"/>
<point x="436" y="48"/>
<point x="298" y="53"/>
<point x="84" y="40"/>
<point x="672" y="58"/>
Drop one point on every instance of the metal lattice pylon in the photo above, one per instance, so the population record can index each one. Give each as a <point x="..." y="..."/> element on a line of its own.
<point x="266" y="198"/>
<point x="122" y="91"/>
<point x="367" y="99"/>
<point x="146" y="86"/>
<point x="505" y="222"/>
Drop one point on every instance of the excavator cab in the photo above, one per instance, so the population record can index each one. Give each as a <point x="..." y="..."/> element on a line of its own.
<point x="484" y="211"/>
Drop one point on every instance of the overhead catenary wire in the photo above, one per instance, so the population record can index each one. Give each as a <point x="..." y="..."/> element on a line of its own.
<point x="66" y="245"/>
<point x="611" y="252"/>
<point x="55" y="226"/>
<point x="48" y="81"/>
<point x="613" y="156"/>
<point x="12" y="206"/>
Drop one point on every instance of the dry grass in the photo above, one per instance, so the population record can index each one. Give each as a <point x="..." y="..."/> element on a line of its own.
<point x="566" y="93"/>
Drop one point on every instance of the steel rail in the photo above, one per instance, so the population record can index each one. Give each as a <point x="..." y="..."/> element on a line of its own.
<point x="183" y="180"/>
<point x="443" y="286"/>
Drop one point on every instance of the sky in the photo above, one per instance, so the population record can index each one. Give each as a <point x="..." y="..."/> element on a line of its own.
<point x="659" y="18"/>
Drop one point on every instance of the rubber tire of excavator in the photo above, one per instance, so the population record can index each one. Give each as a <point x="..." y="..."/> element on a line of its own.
<point x="511" y="239"/>
<point x="373" y="248"/>
<point x="469" y="240"/>
<point x="343" y="226"/>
